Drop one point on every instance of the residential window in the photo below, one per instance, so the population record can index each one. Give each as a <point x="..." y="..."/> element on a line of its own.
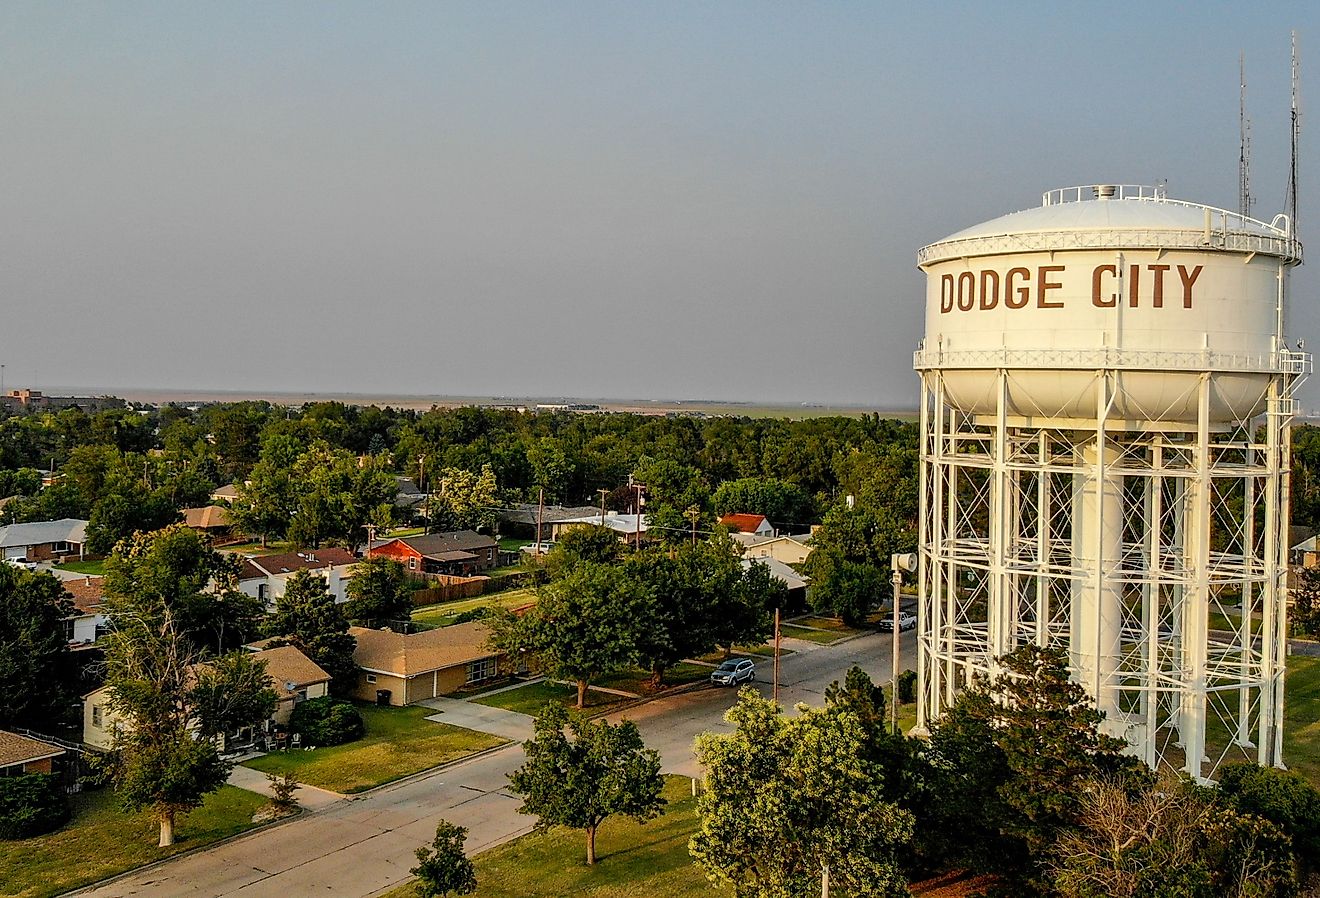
<point x="263" y="592"/>
<point x="96" y="715"/>
<point x="412" y="562"/>
<point x="371" y="678"/>
<point x="481" y="670"/>
<point x="490" y="554"/>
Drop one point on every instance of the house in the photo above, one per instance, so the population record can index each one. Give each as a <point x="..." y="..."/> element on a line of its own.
<point x="294" y="677"/>
<point x="43" y="540"/>
<point x="399" y="669"/>
<point x="265" y="576"/>
<point x="408" y="494"/>
<point x="459" y="552"/>
<point x="785" y="549"/>
<point x="627" y="526"/>
<point x="212" y="520"/>
<point x="748" y="523"/>
<point x="520" y="518"/>
<point x="225" y="495"/>
<point x="21" y="755"/>
<point x="795" y="583"/>
<point x="88" y="622"/>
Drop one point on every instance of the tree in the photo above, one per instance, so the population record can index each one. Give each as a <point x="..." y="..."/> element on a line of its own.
<point x="790" y="801"/>
<point x="231" y="692"/>
<point x="157" y="761"/>
<point x="844" y="588"/>
<point x="1282" y="797"/>
<point x="1305" y="613"/>
<point x="36" y="681"/>
<point x="268" y="498"/>
<point x="443" y="869"/>
<point x="308" y="617"/>
<point x="461" y="500"/>
<point x="583" y="626"/>
<point x="588" y="544"/>
<point x="379" y="594"/>
<point x="579" y="772"/>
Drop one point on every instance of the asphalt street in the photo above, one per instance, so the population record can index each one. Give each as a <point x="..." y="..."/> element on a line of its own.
<point x="361" y="847"/>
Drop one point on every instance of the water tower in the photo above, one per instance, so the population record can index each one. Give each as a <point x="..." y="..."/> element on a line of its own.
<point x="1106" y="399"/>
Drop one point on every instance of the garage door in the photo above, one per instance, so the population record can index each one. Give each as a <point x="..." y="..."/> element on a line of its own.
<point x="15" y="551"/>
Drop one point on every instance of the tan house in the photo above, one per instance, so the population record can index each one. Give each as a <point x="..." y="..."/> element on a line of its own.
<point x="785" y="549"/>
<point x="294" y="677"/>
<point x="21" y="755"/>
<point x="398" y="669"/>
<point x="211" y="520"/>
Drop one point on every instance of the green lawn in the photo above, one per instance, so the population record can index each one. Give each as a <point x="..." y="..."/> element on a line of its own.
<point x="826" y="623"/>
<point x="399" y="742"/>
<point x="639" y="681"/>
<point x="530" y="699"/>
<point x="632" y="860"/>
<point x="824" y="637"/>
<point x="102" y="840"/>
<point x="442" y="615"/>
<point x="91" y="568"/>
<point x="513" y="544"/>
<point x="1301" y="717"/>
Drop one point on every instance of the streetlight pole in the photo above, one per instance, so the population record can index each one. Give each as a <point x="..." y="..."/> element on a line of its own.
<point x="898" y="562"/>
<point x="774" y="695"/>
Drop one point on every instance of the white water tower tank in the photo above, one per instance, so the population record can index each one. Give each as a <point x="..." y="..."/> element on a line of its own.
<point x="1107" y="391"/>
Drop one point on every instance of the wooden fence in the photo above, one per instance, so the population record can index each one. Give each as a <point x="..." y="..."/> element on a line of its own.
<point x="447" y="588"/>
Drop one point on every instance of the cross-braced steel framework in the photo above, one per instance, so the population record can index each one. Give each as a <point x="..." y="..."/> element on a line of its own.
<point x="1154" y="553"/>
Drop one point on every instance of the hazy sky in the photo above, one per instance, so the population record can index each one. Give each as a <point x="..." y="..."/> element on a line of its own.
<point x="670" y="200"/>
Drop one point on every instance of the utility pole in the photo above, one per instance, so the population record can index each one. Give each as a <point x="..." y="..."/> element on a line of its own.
<point x="540" y="513"/>
<point x="371" y="538"/>
<point x="421" y="485"/>
<point x="774" y="695"/>
<point x="694" y="515"/>
<point x="897" y="579"/>
<point x="603" y="493"/>
<point x="638" y="508"/>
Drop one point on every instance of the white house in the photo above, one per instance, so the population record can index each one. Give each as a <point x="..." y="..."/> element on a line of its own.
<point x="627" y="526"/>
<point x="756" y="524"/>
<point x="265" y="576"/>
<point x="88" y="621"/>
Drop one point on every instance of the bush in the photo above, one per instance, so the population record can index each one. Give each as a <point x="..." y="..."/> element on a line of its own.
<point x="907" y="687"/>
<point x="31" y="805"/>
<point x="472" y="614"/>
<point x="327" y="721"/>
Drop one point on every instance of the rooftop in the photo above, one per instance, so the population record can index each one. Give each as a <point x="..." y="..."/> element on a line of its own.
<point x="16" y="749"/>
<point x="35" y="533"/>
<point x="288" y="562"/>
<point x="383" y="651"/>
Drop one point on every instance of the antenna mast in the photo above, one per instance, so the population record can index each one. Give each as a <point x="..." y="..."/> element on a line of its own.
<point x="1244" y="144"/>
<point x="1295" y="129"/>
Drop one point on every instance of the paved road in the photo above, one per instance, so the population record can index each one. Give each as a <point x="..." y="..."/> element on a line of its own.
<point x="362" y="847"/>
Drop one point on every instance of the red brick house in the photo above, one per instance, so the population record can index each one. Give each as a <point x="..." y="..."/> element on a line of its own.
<point x="460" y="552"/>
<point x="21" y="755"/>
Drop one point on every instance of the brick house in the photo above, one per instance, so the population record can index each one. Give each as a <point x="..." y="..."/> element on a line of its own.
<point x="21" y="755"/>
<point x="459" y="552"/>
<point x="44" y="540"/>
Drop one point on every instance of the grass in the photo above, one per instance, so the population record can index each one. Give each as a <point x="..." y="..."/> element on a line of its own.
<point x="823" y="637"/>
<point x="90" y="568"/>
<point x="1301" y="717"/>
<point x="826" y="623"/>
<point x="399" y="742"/>
<point x="513" y="544"/>
<point x="255" y="547"/>
<point x="102" y="840"/>
<point x="530" y="699"/>
<point x="632" y="859"/>
<point x="442" y="615"/>
<point x="639" y="681"/>
<point x="766" y="650"/>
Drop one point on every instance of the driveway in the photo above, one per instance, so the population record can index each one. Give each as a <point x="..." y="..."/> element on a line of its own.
<point x="364" y="846"/>
<point x="509" y="724"/>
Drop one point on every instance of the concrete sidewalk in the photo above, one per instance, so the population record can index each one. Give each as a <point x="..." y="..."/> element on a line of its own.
<point x="310" y="797"/>
<point x="482" y="718"/>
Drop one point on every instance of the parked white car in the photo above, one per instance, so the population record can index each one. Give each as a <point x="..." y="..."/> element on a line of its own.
<point x="906" y="621"/>
<point x="23" y="563"/>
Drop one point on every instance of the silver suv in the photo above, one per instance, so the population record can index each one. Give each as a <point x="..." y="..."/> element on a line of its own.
<point x="733" y="672"/>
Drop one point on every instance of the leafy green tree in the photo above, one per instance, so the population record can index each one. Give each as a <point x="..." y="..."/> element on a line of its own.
<point x="844" y="588"/>
<point x="443" y="869"/>
<point x="36" y="681"/>
<point x="583" y="626"/>
<point x="231" y="692"/>
<point x="461" y="500"/>
<point x="125" y="512"/>
<point x="31" y="804"/>
<point x="379" y="594"/>
<point x="1282" y="797"/>
<point x="588" y="544"/>
<point x="308" y="617"/>
<point x="1305" y="613"/>
<point x="157" y="762"/>
<point x="176" y="567"/>
<point x="791" y="801"/>
<point x="268" y="498"/>
<point x="580" y="772"/>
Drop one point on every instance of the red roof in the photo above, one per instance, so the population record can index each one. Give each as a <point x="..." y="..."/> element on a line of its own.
<point x="743" y="523"/>
<point x="88" y="593"/>
<point x="311" y="560"/>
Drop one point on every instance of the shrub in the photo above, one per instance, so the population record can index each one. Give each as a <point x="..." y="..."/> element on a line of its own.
<point x="327" y="721"/>
<point x="907" y="687"/>
<point x="31" y="805"/>
<point x="472" y="614"/>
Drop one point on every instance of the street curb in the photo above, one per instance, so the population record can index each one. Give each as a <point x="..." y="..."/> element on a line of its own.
<point x="259" y="829"/>
<point x="431" y="771"/>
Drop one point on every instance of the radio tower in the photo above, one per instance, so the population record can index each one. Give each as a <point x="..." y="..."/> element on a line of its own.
<point x="1244" y="145"/>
